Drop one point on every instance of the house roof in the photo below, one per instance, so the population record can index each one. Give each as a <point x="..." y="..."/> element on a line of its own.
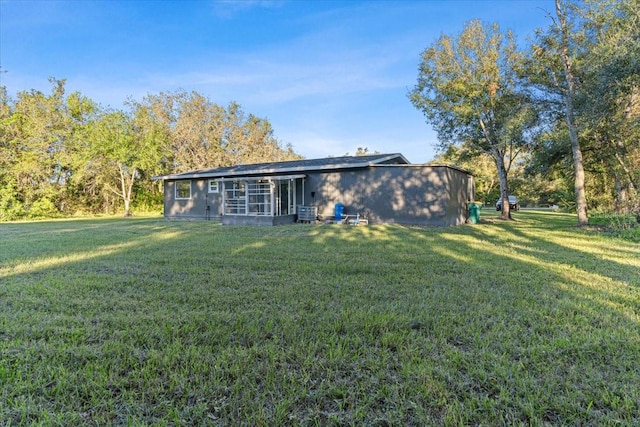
<point x="293" y="166"/>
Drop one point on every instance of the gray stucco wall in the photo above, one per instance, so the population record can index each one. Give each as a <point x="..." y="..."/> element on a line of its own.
<point x="196" y="206"/>
<point x="413" y="195"/>
<point x="404" y="194"/>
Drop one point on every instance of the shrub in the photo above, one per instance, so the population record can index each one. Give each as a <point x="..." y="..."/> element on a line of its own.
<point x="626" y="226"/>
<point x="43" y="208"/>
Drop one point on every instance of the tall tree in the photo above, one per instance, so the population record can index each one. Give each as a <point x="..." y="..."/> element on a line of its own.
<point x="204" y="134"/>
<point x="197" y="134"/>
<point x="557" y="68"/>
<point x="36" y="136"/>
<point x="61" y="154"/>
<point x="37" y="146"/>
<point x="124" y="147"/>
<point x="10" y="205"/>
<point x="563" y="27"/>
<point x="612" y="108"/>
<point x="249" y="139"/>
<point x="586" y="66"/>
<point x="468" y="89"/>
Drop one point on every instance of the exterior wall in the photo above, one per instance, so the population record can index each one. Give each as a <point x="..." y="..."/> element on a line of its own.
<point x="403" y="194"/>
<point x="196" y="206"/>
<point x="412" y="195"/>
<point x="257" y="220"/>
<point x="461" y="192"/>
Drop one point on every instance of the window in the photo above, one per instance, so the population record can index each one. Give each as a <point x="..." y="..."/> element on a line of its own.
<point x="259" y="197"/>
<point x="183" y="189"/>
<point x="213" y="186"/>
<point x="235" y="198"/>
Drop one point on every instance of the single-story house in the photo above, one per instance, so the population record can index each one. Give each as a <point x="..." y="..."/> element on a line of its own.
<point x="383" y="188"/>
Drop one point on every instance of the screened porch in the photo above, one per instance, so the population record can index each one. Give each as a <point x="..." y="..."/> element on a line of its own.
<point x="266" y="197"/>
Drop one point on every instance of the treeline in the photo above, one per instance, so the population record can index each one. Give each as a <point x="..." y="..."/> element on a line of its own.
<point x="63" y="154"/>
<point x="557" y="122"/>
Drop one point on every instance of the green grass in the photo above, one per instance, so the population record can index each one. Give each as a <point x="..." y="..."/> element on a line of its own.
<point x="148" y="322"/>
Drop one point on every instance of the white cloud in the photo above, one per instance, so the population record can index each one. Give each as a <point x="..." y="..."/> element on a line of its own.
<point x="330" y="76"/>
<point x="277" y="76"/>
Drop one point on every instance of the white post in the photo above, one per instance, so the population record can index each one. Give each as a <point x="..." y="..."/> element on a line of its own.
<point x="224" y="199"/>
<point x="272" y="197"/>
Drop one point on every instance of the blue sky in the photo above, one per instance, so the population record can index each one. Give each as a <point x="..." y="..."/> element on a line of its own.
<point x="330" y="76"/>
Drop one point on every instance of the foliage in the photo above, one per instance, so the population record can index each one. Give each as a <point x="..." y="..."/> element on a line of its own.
<point x="470" y="88"/>
<point x="556" y="68"/>
<point x="363" y="151"/>
<point x="131" y="322"/>
<point x="10" y="205"/>
<point x="63" y="154"/>
<point x="35" y="136"/>
<point x="625" y="226"/>
<point x="586" y="66"/>
<point x="599" y="44"/>
<point x="469" y="91"/>
<point x="612" y="105"/>
<point x="202" y="134"/>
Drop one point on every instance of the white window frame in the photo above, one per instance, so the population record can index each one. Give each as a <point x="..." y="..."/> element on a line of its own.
<point x="235" y="198"/>
<point x="260" y="197"/>
<point x="177" y="184"/>
<point x="217" y="186"/>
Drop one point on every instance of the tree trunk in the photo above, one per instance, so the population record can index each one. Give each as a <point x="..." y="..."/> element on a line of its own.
<point x="127" y="207"/>
<point x="129" y="193"/>
<point x="126" y="185"/>
<point x="632" y="185"/>
<point x="580" y="194"/>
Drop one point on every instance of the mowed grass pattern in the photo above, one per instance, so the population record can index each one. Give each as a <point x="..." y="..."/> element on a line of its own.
<point x="149" y="322"/>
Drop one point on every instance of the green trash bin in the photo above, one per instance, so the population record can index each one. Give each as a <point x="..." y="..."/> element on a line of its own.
<point x="474" y="213"/>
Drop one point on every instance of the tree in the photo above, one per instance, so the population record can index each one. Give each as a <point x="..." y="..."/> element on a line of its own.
<point x="469" y="91"/>
<point x="612" y="106"/>
<point x="122" y="149"/>
<point x="10" y="205"/>
<point x="557" y="68"/>
<point x="197" y="132"/>
<point x="586" y="66"/>
<point x="364" y="151"/>
<point x="203" y="134"/>
<point x="62" y="154"/>
<point x="249" y="139"/>
<point x="481" y="165"/>
<point x="36" y="132"/>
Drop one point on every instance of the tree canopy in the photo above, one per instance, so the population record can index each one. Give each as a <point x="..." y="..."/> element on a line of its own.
<point x="558" y="119"/>
<point x="468" y="89"/>
<point x="62" y="154"/>
<point x="565" y="110"/>
<point x="585" y="67"/>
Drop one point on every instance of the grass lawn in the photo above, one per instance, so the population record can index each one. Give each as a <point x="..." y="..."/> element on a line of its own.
<point x="149" y="322"/>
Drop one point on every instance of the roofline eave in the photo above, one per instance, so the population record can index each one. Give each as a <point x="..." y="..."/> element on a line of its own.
<point x="297" y="169"/>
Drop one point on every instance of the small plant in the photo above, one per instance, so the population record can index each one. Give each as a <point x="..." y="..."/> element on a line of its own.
<point x="626" y="226"/>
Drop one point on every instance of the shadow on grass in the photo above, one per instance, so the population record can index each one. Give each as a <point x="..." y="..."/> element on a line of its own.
<point x="147" y="321"/>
